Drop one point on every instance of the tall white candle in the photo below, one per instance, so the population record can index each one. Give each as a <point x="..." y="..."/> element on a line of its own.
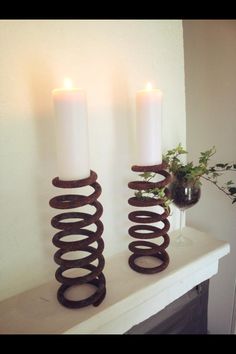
<point x="71" y="132"/>
<point x="149" y="126"/>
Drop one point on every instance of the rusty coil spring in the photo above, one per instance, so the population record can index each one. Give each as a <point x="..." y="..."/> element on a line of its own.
<point x="95" y="276"/>
<point x="144" y="248"/>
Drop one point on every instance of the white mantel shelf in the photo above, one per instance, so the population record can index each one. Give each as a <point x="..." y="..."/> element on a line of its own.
<point x="131" y="297"/>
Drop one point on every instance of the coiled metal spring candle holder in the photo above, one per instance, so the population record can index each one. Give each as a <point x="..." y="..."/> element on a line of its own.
<point x="78" y="227"/>
<point x="143" y="231"/>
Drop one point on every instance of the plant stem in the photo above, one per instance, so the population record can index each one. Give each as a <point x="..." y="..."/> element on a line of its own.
<point x="181" y="222"/>
<point x="221" y="189"/>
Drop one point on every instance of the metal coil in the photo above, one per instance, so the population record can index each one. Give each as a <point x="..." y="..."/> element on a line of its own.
<point x="95" y="276"/>
<point x="143" y="231"/>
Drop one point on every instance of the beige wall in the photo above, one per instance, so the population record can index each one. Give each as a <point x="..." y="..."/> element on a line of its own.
<point x="111" y="60"/>
<point x="210" y="79"/>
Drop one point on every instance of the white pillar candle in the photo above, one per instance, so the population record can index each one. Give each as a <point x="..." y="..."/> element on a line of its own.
<point x="149" y="126"/>
<point x="71" y="132"/>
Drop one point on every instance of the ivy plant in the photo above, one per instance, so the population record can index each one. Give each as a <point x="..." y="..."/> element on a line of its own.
<point x="191" y="174"/>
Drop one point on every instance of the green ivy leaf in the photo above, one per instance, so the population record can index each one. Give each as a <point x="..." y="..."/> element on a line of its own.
<point x="220" y="165"/>
<point x="232" y="190"/>
<point x="215" y="174"/>
<point x="138" y="194"/>
<point x="212" y="169"/>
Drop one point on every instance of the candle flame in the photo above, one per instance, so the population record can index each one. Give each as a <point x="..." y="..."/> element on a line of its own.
<point x="149" y="86"/>
<point x="68" y="83"/>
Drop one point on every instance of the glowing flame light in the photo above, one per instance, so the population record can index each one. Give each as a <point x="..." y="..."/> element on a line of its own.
<point x="149" y="86"/>
<point x="68" y="84"/>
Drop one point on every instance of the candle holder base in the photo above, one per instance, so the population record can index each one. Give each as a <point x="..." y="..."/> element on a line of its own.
<point x="143" y="248"/>
<point x="95" y="276"/>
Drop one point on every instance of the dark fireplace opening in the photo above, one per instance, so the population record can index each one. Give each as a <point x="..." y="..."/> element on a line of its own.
<point x="186" y="315"/>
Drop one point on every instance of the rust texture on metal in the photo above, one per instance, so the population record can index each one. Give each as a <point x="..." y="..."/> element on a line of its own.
<point x="142" y="231"/>
<point x="94" y="276"/>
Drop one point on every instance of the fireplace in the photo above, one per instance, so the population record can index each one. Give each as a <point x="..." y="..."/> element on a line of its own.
<point x="186" y="315"/>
